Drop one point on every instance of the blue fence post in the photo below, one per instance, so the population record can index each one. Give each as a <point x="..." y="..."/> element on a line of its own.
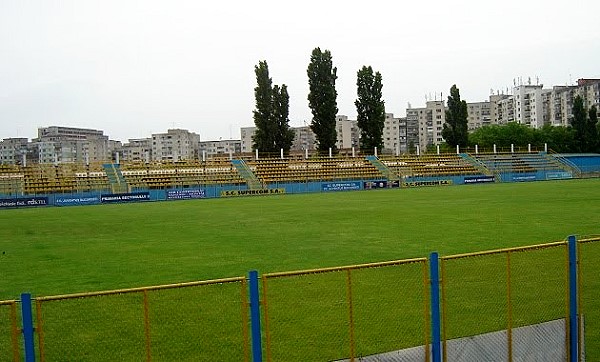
<point x="255" y="316"/>
<point x="27" y="320"/>
<point x="434" y="277"/>
<point x="573" y="319"/>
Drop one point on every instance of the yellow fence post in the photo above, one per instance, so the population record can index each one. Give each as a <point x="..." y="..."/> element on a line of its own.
<point x="350" y="314"/>
<point x="147" y="326"/>
<point x="40" y="329"/>
<point x="509" y="308"/>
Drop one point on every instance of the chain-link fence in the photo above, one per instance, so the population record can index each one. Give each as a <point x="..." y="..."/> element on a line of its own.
<point x="184" y="322"/>
<point x="9" y="333"/>
<point x="589" y="298"/>
<point x="492" y="295"/>
<point x="511" y="304"/>
<point x="341" y="313"/>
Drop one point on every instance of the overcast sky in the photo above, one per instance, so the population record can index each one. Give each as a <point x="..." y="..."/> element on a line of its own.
<point x="133" y="68"/>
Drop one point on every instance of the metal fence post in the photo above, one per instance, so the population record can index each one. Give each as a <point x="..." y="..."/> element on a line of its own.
<point x="27" y="320"/>
<point x="255" y="316"/>
<point x="573" y="320"/>
<point x="434" y="276"/>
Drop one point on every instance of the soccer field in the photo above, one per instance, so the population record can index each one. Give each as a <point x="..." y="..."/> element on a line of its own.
<point x="78" y="249"/>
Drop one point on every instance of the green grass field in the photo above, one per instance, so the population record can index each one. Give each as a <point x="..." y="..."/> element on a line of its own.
<point x="80" y="249"/>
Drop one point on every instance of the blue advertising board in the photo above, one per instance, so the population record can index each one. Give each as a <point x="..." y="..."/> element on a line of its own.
<point x="34" y="201"/>
<point x="185" y="194"/>
<point x="558" y="175"/>
<point x="130" y="197"/>
<point x="340" y="186"/>
<point x="371" y="185"/>
<point x="479" y="179"/>
<point x="76" y="200"/>
<point x="523" y="178"/>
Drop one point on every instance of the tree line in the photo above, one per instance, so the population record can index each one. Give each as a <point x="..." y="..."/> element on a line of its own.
<point x="271" y="116"/>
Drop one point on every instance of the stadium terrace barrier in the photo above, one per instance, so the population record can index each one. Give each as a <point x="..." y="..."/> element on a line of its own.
<point x="529" y="303"/>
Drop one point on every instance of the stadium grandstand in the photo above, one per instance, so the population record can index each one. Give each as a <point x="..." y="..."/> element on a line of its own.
<point x="317" y="169"/>
<point x="253" y="173"/>
<point x="430" y="165"/>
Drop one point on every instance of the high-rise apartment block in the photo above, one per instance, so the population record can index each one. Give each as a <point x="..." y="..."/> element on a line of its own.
<point x="304" y="139"/>
<point x="13" y="151"/>
<point x="479" y="114"/>
<point x="348" y="133"/>
<point x="67" y="144"/>
<point x="175" y="145"/>
<point x="219" y="148"/>
<point x="430" y="120"/>
<point x="139" y="149"/>
<point x="400" y="134"/>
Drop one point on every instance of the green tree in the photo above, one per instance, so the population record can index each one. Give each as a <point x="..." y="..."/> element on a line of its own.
<point x="271" y="115"/>
<point x="455" y="130"/>
<point x="322" y="98"/>
<point x="592" y="130"/>
<point x="264" y="137"/>
<point x="284" y="136"/>
<point x="370" y="108"/>
<point x="559" y="139"/>
<point x="578" y="122"/>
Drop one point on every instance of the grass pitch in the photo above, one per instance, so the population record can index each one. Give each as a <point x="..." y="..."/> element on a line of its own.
<point x="53" y="251"/>
<point x="78" y="249"/>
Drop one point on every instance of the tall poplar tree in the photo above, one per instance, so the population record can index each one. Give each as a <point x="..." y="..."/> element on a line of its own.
<point x="455" y="130"/>
<point x="264" y="137"/>
<point x="592" y="130"/>
<point x="578" y="122"/>
<point x="370" y="108"/>
<point x="322" y="98"/>
<point x="284" y="136"/>
<point x="271" y="115"/>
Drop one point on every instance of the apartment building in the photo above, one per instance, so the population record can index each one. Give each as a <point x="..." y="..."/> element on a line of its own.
<point x="589" y="91"/>
<point x="399" y="134"/>
<point x="528" y="105"/>
<point x="304" y="139"/>
<point x="392" y="135"/>
<point x="13" y="150"/>
<point x="561" y="105"/>
<point x="175" y="145"/>
<point x="430" y="120"/>
<point x="348" y="133"/>
<point x="57" y="144"/>
<point x="220" y="147"/>
<point x="479" y="114"/>
<point x="246" y="134"/>
<point x="137" y="149"/>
